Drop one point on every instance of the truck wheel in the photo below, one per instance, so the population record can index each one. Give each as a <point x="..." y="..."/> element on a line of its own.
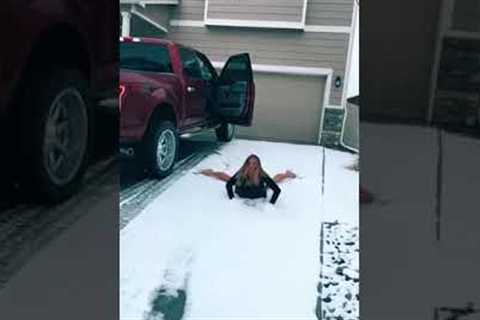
<point x="56" y="129"/>
<point x="225" y="132"/>
<point x="161" y="149"/>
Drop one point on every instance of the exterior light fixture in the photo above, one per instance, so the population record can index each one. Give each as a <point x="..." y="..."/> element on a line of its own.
<point x="338" y="82"/>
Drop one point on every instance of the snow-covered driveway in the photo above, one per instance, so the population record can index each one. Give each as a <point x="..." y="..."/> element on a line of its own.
<point x="238" y="261"/>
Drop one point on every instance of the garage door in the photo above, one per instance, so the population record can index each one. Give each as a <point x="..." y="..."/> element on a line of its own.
<point x="287" y="108"/>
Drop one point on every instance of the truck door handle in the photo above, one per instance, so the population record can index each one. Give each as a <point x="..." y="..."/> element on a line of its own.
<point x="191" y="89"/>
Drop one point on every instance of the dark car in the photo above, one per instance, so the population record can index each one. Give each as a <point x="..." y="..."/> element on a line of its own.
<point x="58" y="62"/>
<point x="168" y="90"/>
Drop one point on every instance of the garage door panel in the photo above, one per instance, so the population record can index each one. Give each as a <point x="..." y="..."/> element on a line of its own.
<point x="287" y="108"/>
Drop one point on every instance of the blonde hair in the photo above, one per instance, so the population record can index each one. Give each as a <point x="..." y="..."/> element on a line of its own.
<point x="244" y="179"/>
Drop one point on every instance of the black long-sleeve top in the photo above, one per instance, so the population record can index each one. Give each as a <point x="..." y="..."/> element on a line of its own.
<point x="254" y="192"/>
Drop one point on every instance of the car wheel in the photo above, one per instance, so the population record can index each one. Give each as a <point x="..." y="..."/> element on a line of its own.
<point x="58" y="130"/>
<point x="225" y="132"/>
<point x="162" y="148"/>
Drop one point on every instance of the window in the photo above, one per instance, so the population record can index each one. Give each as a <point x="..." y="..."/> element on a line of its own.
<point x="191" y="64"/>
<point x="145" y="57"/>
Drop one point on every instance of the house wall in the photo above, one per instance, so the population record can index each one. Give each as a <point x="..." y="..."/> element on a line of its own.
<point x="310" y="36"/>
<point x="189" y="10"/>
<point x="271" y="47"/>
<point x="319" y="12"/>
<point x="329" y="12"/>
<point x="266" y="10"/>
<point x="159" y="14"/>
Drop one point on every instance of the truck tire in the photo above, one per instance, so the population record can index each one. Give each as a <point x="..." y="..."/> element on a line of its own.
<point x="161" y="148"/>
<point x="56" y="128"/>
<point x="225" y="132"/>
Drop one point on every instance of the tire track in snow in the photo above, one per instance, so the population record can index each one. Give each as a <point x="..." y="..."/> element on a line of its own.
<point x="136" y="198"/>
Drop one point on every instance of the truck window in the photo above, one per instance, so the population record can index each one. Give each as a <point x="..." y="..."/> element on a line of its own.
<point x="145" y="57"/>
<point x="190" y="63"/>
<point x="207" y="70"/>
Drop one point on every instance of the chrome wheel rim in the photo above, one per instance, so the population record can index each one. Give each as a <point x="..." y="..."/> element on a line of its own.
<point x="166" y="149"/>
<point x="65" y="136"/>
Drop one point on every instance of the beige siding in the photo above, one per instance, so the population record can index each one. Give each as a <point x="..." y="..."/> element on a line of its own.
<point x="330" y="12"/>
<point x="265" y="10"/>
<point x="189" y="10"/>
<point x="159" y="14"/>
<point x="319" y="12"/>
<point x="271" y="47"/>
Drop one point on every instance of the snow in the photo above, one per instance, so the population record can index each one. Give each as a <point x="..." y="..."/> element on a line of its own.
<point x="340" y="271"/>
<point x="238" y="260"/>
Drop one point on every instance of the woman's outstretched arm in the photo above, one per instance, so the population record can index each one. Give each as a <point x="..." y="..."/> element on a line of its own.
<point x="230" y="184"/>
<point x="276" y="189"/>
<point x="222" y="176"/>
<point x="278" y="178"/>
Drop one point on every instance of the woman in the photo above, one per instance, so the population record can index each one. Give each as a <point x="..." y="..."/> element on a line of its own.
<point x="251" y="181"/>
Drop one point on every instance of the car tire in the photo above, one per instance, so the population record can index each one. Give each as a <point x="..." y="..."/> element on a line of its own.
<point x="56" y="129"/>
<point x="161" y="148"/>
<point x="225" y="132"/>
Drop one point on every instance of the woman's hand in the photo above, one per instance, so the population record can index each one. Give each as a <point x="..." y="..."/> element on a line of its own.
<point x="290" y="174"/>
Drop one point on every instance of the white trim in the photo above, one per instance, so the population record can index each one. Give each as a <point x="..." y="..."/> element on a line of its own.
<point x="304" y="13"/>
<point x="126" y="16"/>
<point x="187" y="23"/>
<point x="335" y="106"/>
<point x="326" y="104"/>
<point x="306" y="71"/>
<point x="147" y="19"/>
<point x="443" y="25"/>
<point x="309" y="28"/>
<point x="254" y="24"/>
<point x="144" y="2"/>
<point x="205" y="11"/>
<point x="346" y="78"/>
<point x="348" y="65"/>
<point x="328" y="29"/>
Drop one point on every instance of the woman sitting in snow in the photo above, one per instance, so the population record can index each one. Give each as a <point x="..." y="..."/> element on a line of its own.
<point x="251" y="181"/>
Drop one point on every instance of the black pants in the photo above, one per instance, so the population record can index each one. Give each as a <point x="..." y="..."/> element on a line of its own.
<point x="251" y="192"/>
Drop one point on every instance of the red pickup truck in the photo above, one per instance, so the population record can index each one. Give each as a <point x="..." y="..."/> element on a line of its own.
<point x="167" y="90"/>
<point x="59" y="60"/>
